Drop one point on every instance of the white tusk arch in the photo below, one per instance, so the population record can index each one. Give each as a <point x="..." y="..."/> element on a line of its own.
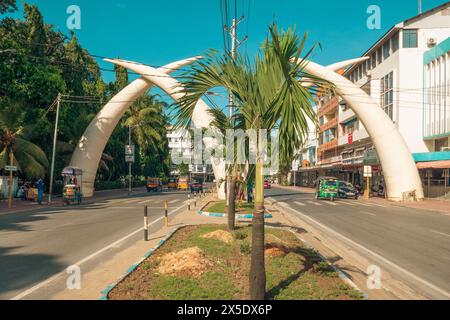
<point x="200" y="117"/>
<point x="399" y="169"/>
<point x="89" y="150"/>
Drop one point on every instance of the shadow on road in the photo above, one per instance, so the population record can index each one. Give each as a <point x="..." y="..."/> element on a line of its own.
<point x="18" y="271"/>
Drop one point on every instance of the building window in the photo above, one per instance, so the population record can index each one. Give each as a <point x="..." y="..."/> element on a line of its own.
<point x="395" y="43"/>
<point x="374" y="60"/>
<point x="379" y="56"/>
<point x="387" y="94"/>
<point x="386" y="50"/>
<point x="410" y="38"/>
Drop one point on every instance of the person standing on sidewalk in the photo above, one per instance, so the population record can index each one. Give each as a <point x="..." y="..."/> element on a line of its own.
<point x="40" y="187"/>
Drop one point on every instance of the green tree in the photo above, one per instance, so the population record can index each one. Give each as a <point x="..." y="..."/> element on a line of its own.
<point x="15" y="149"/>
<point x="268" y="95"/>
<point x="7" y="6"/>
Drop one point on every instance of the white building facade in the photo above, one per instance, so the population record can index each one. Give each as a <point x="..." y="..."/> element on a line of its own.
<point x="394" y="76"/>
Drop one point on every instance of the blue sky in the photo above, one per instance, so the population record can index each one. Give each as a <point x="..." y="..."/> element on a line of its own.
<point x="157" y="32"/>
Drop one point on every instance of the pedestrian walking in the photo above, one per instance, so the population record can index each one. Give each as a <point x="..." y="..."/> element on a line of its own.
<point x="40" y="187"/>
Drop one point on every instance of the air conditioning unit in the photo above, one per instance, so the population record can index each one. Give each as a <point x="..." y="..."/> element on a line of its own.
<point x="445" y="149"/>
<point x="431" y="42"/>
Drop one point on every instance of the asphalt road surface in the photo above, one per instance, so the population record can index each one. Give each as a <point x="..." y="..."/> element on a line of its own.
<point x="37" y="245"/>
<point x="416" y="240"/>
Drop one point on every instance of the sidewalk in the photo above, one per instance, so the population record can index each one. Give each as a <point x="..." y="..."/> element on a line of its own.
<point x="427" y="204"/>
<point x="22" y="206"/>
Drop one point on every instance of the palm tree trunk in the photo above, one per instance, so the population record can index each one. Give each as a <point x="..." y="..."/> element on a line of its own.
<point x="231" y="209"/>
<point x="257" y="268"/>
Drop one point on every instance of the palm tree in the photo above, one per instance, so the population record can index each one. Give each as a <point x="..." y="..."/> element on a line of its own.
<point x="222" y="122"/>
<point x="14" y="147"/>
<point x="268" y="95"/>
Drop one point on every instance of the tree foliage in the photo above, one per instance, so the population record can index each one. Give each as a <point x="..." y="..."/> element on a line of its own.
<point x="37" y="63"/>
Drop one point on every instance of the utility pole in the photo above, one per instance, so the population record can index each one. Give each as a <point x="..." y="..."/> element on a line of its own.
<point x="235" y="43"/>
<point x="420" y="6"/>
<point x="55" y="136"/>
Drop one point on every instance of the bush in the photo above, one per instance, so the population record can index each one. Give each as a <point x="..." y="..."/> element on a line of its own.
<point x="245" y="248"/>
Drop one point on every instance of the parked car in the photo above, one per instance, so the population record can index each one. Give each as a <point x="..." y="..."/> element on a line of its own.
<point x="197" y="185"/>
<point x="347" y="191"/>
<point x="267" y="184"/>
<point x="154" y="184"/>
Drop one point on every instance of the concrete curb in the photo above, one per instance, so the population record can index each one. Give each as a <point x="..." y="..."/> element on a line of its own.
<point x="238" y="216"/>
<point x="105" y="292"/>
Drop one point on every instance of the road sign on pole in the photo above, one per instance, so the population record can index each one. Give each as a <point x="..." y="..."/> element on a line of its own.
<point x="368" y="171"/>
<point x="11" y="168"/>
<point x="129" y="153"/>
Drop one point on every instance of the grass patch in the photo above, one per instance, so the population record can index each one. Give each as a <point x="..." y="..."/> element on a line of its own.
<point x="220" y="207"/>
<point x="297" y="273"/>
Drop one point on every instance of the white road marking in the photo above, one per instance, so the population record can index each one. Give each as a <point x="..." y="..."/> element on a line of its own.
<point x="131" y="201"/>
<point x="348" y="203"/>
<point x="112" y="245"/>
<point x="146" y="201"/>
<point x="175" y="200"/>
<point x="376" y="255"/>
<point x="315" y="203"/>
<point x="330" y="203"/>
<point x="368" y="213"/>
<point x="441" y="233"/>
<point x="299" y="203"/>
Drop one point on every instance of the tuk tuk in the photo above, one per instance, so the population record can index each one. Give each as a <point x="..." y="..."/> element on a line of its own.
<point x="72" y="192"/>
<point x="183" y="183"/>
<point x="153" y="184"/>
<point x="327" y="188"/>
<point x="172" y="184"/>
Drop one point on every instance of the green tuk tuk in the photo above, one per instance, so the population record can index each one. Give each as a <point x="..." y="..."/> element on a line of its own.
<point x="327" y="188"/>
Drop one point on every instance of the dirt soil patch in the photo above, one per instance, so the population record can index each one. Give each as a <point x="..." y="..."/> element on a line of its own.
<point x="187" y="262"/>
<point x="221" y="235"/>
<point x="275" y="250"/>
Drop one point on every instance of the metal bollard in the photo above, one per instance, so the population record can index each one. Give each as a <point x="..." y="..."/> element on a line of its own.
<point x="145" y="223"/>
<point x="189" y="202"/>
<point x="166" y="214"/>
<point x="195" y="199"/>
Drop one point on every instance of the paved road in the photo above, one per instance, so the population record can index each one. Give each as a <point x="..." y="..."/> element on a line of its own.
<point x="37" y="245"/>
<point x="416" y="240"/>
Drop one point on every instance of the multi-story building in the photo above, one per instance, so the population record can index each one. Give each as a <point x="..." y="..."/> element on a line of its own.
<point x="394" y="76"/>
<point x="435" y="165"/>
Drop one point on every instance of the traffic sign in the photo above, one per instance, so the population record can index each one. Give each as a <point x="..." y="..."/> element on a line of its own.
<point x="129" y="159"/>
<point x="129" y="150"/>
<point x="10" y="168"/>
<point x="367" y="171"/>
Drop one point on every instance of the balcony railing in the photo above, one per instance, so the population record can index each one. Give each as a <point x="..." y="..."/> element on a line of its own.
<point x="329" y="106"/>
<point x="330" y="124"/>
<point x="328" y="146"/>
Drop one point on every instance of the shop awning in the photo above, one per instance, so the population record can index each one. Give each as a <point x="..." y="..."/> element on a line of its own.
<point x="434" y="165"/>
